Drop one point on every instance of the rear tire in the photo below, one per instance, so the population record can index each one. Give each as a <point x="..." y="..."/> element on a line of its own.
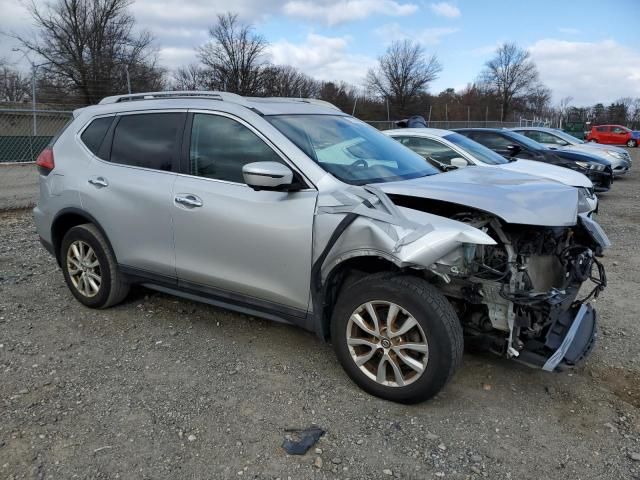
<point x="90" y="269"/>
<point x="415" y="352"/>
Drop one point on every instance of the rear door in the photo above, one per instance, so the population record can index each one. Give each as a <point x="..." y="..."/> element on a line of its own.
<point x="252" y="247"/>
<point x="129" y="188"/>
<point x="604" y="134"/>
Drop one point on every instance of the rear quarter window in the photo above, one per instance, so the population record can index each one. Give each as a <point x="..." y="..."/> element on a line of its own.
<point x="94" y="134"/>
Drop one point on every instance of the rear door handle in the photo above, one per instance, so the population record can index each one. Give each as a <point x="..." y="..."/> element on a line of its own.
<point x="98" y="182"/>
<point x="188" y="200"/>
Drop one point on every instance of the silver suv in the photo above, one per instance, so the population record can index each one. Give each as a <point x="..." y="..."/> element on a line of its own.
<point x="291" y="210"/>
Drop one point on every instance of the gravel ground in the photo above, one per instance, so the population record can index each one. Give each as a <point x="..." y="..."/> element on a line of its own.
<point x="160" y="387"/>
<point x="18" y="185"/>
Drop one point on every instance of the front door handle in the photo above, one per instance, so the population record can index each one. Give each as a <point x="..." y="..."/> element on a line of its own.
<point x="98" y="182"/>
<point x="188" y="200"/>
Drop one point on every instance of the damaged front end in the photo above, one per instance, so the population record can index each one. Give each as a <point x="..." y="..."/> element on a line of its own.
<point x="521" y="297"/>
<point x="516" y="288"/>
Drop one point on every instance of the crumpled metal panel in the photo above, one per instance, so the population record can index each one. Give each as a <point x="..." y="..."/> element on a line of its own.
<point x="512" y="196"/>
<point x="404" y="236"/>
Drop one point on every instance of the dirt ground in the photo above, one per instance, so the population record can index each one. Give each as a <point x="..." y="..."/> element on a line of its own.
<point x="160" y="387"/>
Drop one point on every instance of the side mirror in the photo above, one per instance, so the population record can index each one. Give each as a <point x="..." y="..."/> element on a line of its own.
<point x="267" y="176"/>
<point x="459" y="162"/>
<point x="514" y="149"/>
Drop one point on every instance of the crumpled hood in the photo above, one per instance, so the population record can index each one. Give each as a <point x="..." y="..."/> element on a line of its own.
<point x="550" y="172"/>
<point x="513" y="196"/>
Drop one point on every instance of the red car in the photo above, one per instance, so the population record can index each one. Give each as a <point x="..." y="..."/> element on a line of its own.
<point x="613" y="135"/>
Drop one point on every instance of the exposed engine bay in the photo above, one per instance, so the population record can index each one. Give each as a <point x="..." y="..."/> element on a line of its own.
<point x="521" y="297"/>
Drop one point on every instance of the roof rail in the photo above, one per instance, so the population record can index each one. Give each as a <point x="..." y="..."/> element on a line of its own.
<point x="313" y="101"/>
<point x="213" y="95"/>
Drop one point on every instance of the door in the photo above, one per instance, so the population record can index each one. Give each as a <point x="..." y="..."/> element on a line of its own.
<point x="129" y="189"/>
<point x="252" y="246"/>
<point x="618" y="136"/>
<point x="604" y="134"/>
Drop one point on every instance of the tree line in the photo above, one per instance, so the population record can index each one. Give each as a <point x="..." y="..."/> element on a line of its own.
<point x="84" y="50"/>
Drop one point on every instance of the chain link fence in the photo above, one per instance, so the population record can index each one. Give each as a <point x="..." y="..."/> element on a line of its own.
<point x="451" y="124"/>
<point x="24" y="133"/>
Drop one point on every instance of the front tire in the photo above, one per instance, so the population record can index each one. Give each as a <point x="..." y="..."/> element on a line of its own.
<point x="90" y="269"/>
<point x="632" y="143"/>
<point x="397" y="337"/>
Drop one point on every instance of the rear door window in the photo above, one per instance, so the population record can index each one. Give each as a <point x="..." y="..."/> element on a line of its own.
<point x="94" y="134"/>
<point x="491" y="140"/>
<point x="148" y="140"/>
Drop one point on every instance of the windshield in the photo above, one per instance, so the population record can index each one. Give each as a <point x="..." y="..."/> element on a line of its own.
<point x="480" y="152"/>
<point x="351" y="150"/>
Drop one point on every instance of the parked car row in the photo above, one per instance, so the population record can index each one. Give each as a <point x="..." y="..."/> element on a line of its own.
<point x="559" y="140"/>
<point x="292" y="210"/>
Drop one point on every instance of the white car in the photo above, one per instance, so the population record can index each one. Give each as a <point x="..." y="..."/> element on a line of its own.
<point x="559" y="140"/>
<point x="449" y="150"/>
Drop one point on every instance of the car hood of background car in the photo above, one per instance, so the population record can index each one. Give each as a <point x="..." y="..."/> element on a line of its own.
<point x="551" y="172"/>
<point x="515" y="197"/>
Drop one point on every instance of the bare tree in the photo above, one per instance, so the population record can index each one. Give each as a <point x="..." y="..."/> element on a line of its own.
<point x="287" y="81"/>
<point x="403" y="72"/>
<point x="88" y="45"/>
<point x="191" y="77"/>
<point x="510" y="73"/>
<point x="14" y="87"/>
<point x="538" y="100"/>
<point x="234" y="56"/>
<point x="563" y="109"/>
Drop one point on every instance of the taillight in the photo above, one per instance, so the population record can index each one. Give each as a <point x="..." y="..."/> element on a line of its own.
<point x="45" y="161"/>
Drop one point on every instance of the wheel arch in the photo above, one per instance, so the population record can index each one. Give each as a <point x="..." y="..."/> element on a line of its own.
<point x="68" y="218"/>
<point x="348" y="272"/>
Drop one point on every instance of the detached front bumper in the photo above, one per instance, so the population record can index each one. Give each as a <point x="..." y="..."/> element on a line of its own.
<point x="573" y="341"/>
<point x="566" y="344"/>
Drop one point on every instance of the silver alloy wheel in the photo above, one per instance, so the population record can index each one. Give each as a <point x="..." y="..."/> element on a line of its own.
<point x="387" y="343"/>
<point x="84" y="268"/>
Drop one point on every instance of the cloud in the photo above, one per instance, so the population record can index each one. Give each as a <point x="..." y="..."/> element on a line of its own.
<point x="324" y="58"/>
<point x="445" y="9"/>
<point x="569" y="30"/>
<point x="590" y="72"/>
<point x="334" y="12"/>
<point x="425" y="36"/>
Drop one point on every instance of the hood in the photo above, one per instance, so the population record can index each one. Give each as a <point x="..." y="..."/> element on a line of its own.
<point x="595" y="147"/>
<point x="550" y="172"/>
<point x="581" y="156"/>
<point x="513" y="196"/>
<point x="601" y="151"/>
